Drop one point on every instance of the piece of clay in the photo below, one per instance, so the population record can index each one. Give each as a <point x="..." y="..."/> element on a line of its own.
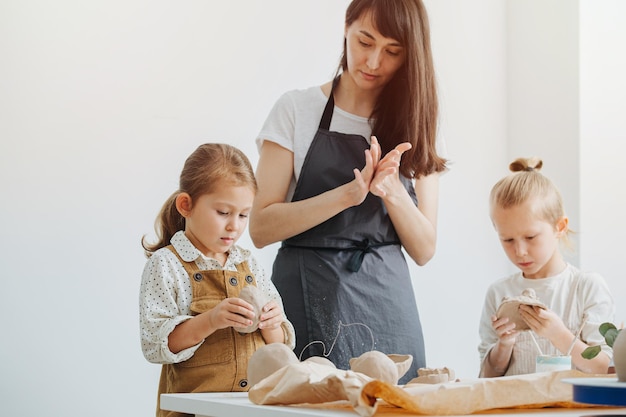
<point x="268" y="359"/>
<point x="320" y="360"/>
<point x="433" y="376"/>
<point x="377" y="365"/>
<point x="254" y="296"/>
<point x="403" y="363"/>
<point x="510" y="307"/>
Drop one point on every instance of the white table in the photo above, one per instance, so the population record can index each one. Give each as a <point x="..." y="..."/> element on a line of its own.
<point x="237" y="404"/>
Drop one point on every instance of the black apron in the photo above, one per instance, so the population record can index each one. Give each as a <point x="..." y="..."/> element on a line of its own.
<point x="349" y="269"/>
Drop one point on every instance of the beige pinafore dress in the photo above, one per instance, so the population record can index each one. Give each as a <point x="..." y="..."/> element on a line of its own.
<point x="220" y="364"/>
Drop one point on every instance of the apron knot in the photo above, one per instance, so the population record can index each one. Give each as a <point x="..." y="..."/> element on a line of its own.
<point x="362" y="247"/>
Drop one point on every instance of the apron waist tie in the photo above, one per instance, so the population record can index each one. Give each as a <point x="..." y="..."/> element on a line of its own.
<point x="360" y="249"/>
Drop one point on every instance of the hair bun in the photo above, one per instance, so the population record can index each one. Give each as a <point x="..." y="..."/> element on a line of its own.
<point x="526" y="164"/>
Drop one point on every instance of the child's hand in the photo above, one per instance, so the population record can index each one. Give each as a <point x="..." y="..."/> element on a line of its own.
<point x="271" y="316"/>
<point x="542" y="321"/>
<point x="231" y="312"/>
<point x="270" y="321"/>
<point x="504" y="330"/>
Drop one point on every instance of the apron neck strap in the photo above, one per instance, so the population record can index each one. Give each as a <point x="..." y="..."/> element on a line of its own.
<point x="330" y="106"/>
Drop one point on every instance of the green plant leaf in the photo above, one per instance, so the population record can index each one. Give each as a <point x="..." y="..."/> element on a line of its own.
<point x="605" y="327"/>
<point x="591" y="352"/>
<point x="610" y="336"/>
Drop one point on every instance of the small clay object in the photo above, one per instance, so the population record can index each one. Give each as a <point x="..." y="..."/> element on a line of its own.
<point x="433" y="376"/>
<point x="377" y="365"/>
<point x="403" y="363"/>
<point x="510" y="307"/>
<point x="320" y="360"/>
<point x="254" y="296"/>
<point x="268" y="359"/>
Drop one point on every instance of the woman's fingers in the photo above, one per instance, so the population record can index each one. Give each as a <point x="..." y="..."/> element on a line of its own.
<point x="403" y="147"/>
<point x="375" y="149"/>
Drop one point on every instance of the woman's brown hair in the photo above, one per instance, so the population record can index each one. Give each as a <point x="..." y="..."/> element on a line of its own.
<point x="407" y="108"/>
<point x="210" y="166"/>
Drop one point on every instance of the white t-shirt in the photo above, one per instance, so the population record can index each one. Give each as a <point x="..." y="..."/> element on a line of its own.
<point x="572" y="295"/>
<point x="294" y="120"/>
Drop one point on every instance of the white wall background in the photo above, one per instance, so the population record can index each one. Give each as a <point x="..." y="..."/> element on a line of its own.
<point x="603" y="142"/>
<point x="100" y="103"/>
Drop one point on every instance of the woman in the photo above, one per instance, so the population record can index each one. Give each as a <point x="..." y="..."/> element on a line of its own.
<point x="344" y="207"/>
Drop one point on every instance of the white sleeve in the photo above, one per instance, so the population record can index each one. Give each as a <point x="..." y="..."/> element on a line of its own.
<point x="159" y="312"/>
<point x="279" y="127"/>
<point x="488" y="336"/>
<point x="599" y="307"/>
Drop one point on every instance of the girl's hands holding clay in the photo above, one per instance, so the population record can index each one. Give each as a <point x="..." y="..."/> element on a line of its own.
<point x="386" y="180"/>
<point x="271" y="316"/>
<point x="270" y="323"/>
<point x="543" y="322"/>
<point x="231" y="312"/>
<point x="504" y="330"/>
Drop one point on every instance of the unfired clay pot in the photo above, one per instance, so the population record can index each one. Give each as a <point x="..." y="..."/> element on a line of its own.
<point x="268" y="359"/>
<point x="619" y="355"/>
<point x="378" y="365"/>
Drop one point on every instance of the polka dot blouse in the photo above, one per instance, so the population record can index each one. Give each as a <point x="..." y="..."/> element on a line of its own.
<point x="165" y="295"/>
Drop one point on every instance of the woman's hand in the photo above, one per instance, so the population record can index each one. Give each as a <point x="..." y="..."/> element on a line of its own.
<point x="416" y="227"/>
<point x="386" y="180"/>
<point x="273" y="219"/>
<point x="360" y="186"/>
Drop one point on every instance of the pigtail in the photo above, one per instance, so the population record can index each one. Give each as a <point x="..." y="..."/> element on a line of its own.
<point x="168" y="222"/>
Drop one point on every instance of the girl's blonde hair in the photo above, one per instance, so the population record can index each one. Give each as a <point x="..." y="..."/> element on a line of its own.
<point x="210" y="166"/>
<point x="525" y="183"/>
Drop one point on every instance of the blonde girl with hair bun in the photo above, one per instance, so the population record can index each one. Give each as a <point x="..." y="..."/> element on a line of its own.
<point x="515" y="189"/>
<point x="527" y="213"/>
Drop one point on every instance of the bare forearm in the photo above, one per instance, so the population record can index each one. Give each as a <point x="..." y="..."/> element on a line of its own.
<point x="562" y="340"/>
<point x="280" y="221"/>
<point x="497" y="361"/>
<point x="190" y="333"/>
<point x="417" y="234"/>
<point x="416" y="225"/>
<point x="597" y="365"/>
<point x="275" y="335"/>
